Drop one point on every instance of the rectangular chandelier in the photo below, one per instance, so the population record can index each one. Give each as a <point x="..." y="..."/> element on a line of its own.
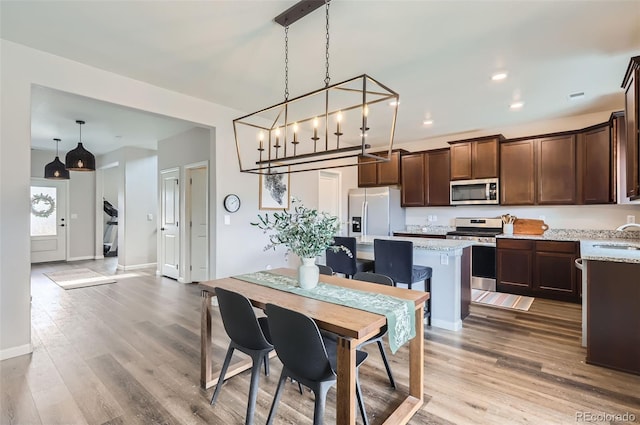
<point x="327" y="128"/>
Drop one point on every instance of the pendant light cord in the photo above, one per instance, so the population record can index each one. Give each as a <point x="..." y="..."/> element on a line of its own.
<point x="327" y="78"/>
<point x="286" y="63"/>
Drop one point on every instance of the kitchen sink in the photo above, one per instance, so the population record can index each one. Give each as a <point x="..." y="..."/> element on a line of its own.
<point x="611" y="246"/>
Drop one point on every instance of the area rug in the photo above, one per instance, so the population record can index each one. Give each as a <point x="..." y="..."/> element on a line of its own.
<point x="78" y="278"/>
<point x="498" y="299"/>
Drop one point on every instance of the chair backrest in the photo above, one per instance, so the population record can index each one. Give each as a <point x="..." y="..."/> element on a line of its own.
<point x="240" y="320"/>
<point x="340" y="261"/>
<point x="325" y="269"/>
<point x="373" y="278"/>
<point x="394" y="259"/>
<point x="298" y="343"/>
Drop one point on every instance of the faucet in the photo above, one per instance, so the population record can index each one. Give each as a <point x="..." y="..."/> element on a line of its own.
<point x="625" y="226"/>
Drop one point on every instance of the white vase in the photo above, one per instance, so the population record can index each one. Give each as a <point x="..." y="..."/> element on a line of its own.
<point x="308" y="273"/>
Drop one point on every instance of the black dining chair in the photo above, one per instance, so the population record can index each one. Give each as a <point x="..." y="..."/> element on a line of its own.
<point x="306" y="357"/>
<point x="394" y="258"/>
<point x="249" y="335"/>
<point x="382" y="280"/>
<point x="341" y="262"/>
<point x="326" y="270"/>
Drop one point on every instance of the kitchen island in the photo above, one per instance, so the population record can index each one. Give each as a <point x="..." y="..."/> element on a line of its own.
<point x="611" y="294"/>
<point x="451" y="280"/>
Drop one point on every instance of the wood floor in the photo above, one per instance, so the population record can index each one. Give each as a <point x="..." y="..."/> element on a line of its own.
<point x="128" y="353"/>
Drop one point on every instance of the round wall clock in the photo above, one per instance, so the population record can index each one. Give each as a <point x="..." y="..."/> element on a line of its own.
<point x="232" y="203"/>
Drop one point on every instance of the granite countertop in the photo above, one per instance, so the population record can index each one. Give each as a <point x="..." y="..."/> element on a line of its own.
<point x="601" y="250"/>
<point x="427" y="230"/>
<point x="578" y="235"/>
<point x="442" y="245"/>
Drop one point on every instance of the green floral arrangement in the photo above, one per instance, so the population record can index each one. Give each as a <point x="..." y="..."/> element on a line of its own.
<point x="304" y="231"/>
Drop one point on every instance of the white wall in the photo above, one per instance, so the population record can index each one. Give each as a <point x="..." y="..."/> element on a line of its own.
<point x="81" y="235"/>
<point x="236" y="248"/>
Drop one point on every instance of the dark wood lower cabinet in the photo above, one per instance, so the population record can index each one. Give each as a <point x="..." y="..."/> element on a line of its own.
<point x="613" y="316"/>
<point x="544" y="269"/>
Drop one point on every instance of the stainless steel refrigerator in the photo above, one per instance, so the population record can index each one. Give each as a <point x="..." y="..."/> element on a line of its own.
<point x="375" y="211"/>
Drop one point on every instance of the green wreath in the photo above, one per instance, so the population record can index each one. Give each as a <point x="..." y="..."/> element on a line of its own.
<point x="47" y="200"/>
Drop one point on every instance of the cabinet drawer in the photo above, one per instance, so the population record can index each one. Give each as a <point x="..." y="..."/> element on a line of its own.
<point x="514" y="244"/>
<point x="557" y="246"/>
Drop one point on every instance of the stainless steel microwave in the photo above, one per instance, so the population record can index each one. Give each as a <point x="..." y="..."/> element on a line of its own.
<point x="475" y="192"/>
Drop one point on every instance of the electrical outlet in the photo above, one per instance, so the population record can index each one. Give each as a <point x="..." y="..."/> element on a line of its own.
<point x="430" y="218"/>
<point x="631" y="219"/>
<point x="435" y="218"/>
<point x="541" y="217"/>
<point x="444" y="259"/>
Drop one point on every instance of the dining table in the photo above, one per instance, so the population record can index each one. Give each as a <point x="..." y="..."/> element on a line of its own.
<point x="352" y="326"/>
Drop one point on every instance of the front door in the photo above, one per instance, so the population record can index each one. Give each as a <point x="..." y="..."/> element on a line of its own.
<point x="170" y="220"/>
<point x="48" y="220"/>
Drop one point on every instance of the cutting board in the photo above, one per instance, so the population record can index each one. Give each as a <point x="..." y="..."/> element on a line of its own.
<point x="526" y="226"/>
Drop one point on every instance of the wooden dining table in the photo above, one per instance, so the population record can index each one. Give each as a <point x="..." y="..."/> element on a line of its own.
<point x="353" y="326"/>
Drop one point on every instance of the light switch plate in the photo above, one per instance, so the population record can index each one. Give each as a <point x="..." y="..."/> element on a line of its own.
<point x="149" y="217"/>
<point x="227" y="219"/>
<point x="74" y="216"/>
<point x="631" y="219"/>
<point x="444" y="259"/>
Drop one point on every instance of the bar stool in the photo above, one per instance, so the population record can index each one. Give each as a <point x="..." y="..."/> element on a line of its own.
<point x="395" y="259"/>
<point x="340" y="261"/>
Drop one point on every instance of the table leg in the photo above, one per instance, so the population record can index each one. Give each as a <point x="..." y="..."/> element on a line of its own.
<point x="205" y="339"/>
<point x="346" y="391"/>
<point x="416" y="358"/>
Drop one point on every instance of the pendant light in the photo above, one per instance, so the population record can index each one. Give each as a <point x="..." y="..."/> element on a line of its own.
<point x="56" y="170"/>
<point x="80" y="159"/>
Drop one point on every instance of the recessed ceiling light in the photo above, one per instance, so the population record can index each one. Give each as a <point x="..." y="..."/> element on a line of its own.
<point x="576" y="96"/>
<point x="394" y="103"/>
<point x="499" y="76"/>
<point x="516" y="105"/>
<point x="427" y="122"/>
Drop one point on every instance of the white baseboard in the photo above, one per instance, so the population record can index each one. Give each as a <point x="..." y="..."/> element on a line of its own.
<point x="455" y="325"/>
<point x="158" y="273"/>
<point x="86" y="257"/>
<point x="136" y="266"/>
<point x="20" y="350"/>
<point x="99" y="257"/>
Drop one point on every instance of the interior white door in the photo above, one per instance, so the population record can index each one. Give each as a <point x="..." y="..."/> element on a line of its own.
<point x="329" y="191"/>
<point x="199" y="225"/>
<point x="48" y="220"/>
<point x="170" y="220"/>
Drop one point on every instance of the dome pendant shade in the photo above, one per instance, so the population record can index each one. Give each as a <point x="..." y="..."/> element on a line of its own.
<point x="56" y="170"/>
<point x="80" y="159"/>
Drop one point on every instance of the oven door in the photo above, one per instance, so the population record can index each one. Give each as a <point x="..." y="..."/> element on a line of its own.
<point x="483" y="267"/>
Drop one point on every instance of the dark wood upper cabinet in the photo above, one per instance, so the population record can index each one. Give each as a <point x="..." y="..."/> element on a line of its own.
<point x="632" y="119"/>
<point x="556" y="169"/>
<point x="437" y="169"/>
<point x="413" y="179"/>
<point x="461" y="161"/>
<point x="596" y="165"/>
<point x="389" y="172"/>
<point x="475" y="159"/>
<point x="380" y="173"/>
<point x="517" y="173"/>
<point x="425" y="178"/>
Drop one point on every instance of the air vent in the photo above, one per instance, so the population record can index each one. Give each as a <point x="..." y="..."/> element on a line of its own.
<point x="577" y="95"/>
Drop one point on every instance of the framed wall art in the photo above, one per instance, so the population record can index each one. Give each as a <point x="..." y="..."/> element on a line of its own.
<point x="274" y="191"/>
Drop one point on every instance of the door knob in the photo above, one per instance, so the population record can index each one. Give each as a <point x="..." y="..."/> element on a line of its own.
<point x="162" y="228"/>
<point x="62" y="225"/>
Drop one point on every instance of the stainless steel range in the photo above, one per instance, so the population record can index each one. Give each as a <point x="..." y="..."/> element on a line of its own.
<point x="482" y="231"/>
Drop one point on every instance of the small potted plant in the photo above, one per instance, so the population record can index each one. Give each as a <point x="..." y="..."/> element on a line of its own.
<point x="304" y="231"/>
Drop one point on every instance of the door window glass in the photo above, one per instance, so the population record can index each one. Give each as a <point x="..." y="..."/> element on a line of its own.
<point x="43" y="211"/>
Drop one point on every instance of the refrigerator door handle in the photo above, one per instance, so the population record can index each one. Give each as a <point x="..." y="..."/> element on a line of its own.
<point x="365" y="221"/>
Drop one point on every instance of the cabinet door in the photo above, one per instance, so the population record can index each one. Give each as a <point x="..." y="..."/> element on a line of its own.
<point x="413" y="179"/>
<point x="555" y="274"/>
<point x="556" y="167"/>
<point x="367" y="173"/>
<point x="437" y="188"/>
<point x="514" y="269"/>
<point x="389" y="172"/>
<point x="461" y="161"/>
<point x="631" y="110"/>
<point x="595" y="166"/>
<point x="484" y="159"/>
<point x="517" y="173"/>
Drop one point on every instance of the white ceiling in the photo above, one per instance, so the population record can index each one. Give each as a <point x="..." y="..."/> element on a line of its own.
<point x="438" y="55"/>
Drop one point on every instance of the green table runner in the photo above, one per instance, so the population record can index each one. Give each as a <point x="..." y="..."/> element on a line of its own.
<point x="399" y="313"/>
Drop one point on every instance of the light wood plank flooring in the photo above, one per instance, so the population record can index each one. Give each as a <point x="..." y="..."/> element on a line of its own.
<point x="128" y="353"/>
